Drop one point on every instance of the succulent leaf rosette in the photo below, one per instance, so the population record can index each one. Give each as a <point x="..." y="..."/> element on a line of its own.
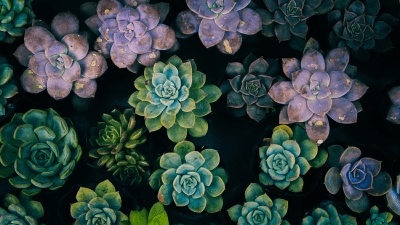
<point x="393" y="197"/>
<point x="219" y="23"/>
<point x="393" y="115"/>
<point x="41" y="148"/>
<point x="259" y="208"/>
<point x="190" y="178"/>
<point x="174" y="95"/>
<point x="318" y="87"/>
<point x="356" y="176"/>
<point x="327" y="214"/>
<point x="99" y="206"/>
<point x="59" y="60"/>
<point x="8" y="88"/>
<point x="22" y="210"/>
<point x="376" y="218"/>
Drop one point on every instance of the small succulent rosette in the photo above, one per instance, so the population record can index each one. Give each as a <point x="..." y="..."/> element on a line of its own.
<point x="190" y="178"/>
<point x="326" y="213"/>
<point x="156" y="215"/>
<point x="22" y="210"/>
<point x="132" y="33"/>
<point x="174" y="95"/>
<point x="318" y="87"/>
<point x="248" y="85"/>
<point x="377" y="218"/>
<point x="288" y="155"/>
<point x="40" y="148"/>
<point x="14" y="16"/>
<point x="59" y="59"/>
<point x="358" y="177"/>
<point x="8" y="87"/>
<point x="99" y="206"/>
<point x="219" y="23"/>
<point x="259" y="208"/>
<point x="393" y="115"/>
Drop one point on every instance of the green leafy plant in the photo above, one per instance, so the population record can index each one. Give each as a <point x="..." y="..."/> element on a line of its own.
<point x="288" y="155"/>
<point x="20" y="210"/>
<point x="156" y="216"/>
<point x="8" y="88"/>
<point x="190" y="178"/>
<point x="174" y="95"/>
<point x="259" y="208"/>
<point x="42" y="149"/>
<point x="376" y="218"/>
<point x="99" y="206"/>
<point x="327" y="214"/>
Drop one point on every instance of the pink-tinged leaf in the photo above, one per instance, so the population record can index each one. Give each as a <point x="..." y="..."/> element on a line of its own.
<point x="340" y="84"/>
<point x="148" y="59"/>
<point x="94" y="23"/>
<point x="317" y="128"/>
<point x="298" y="110"/>
<point x="290" y="65"/>
<point x="241" y="4"/>
<point x="37" y="39"/>
<point x="228" y="22"/>
<point x="37" y="63"/>
<point x="231" y="43"/>
<point x="33" y="83"/>
<point x="163" y="37"/>
<point x="235" y="100"/>
<point x="122" y="56"/>
<point x="108" y="29"/>
<point x="393" y="114"/>
<point x="394" y="95"/>
<point x="120" y="39"/>
<point x="141" y="45"/>
<point x="343" y="111"/>
<point x="350" y="155"/>
<point x="210" y="34"/>
<point x="381" y="185"/>
<point x="103" y="47"/>
<point x="337" y="60"/>
<point x="250" y="22"/>
<point x="93" y="65"/>
<point x="73" y="73"/>
<point x="319" y="78"/>
<point x="108" y="9"/>
<point x="333" y="181"/>
<point x="58" y="88"/>
<point x="149" y="15"/>
<point x="128" y="14"/>
<point x="283" y="116"/>
<point x="282" y="92"/>
<point x="320" y="106"/>
<point x="313" y="61"/>
<point x="77" y="44"/>
<point x="85" y="88"/>
<point x="53" y="71"/>
<point x="54" y="51"/>
<point x="64" y="23"/>
<point x="23" y="55"/>
<point x="300" y="78"/>
<point x="357" y="90"/>
<point x="195" y="5"/>
<point x="187" y="22"/>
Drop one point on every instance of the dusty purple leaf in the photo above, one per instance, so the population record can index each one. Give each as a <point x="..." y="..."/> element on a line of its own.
<point x="195" y="5"/>
<point x="128" y="14"/>
<point x="163" y="10"/>
<point x="108" y="9"/>
<point x="351" y="193"/>
<point x="337" y="60"/>
<point x="320" y="106"/>
<point x="70" y="74"/>
<point x="394" y="95"/>
<point x="382" y="184"/>
<point x="37" y="39"/>
<point x="256" y="113"/>
<point x="228" y="22"/>
<point x="54" y="51"/>
<point x="313" y="61"/>
<point x="207" y="13"/>
<point x="241" y="4"/>
<point x="359" y="205"/>
<point x="77" y="44"/>
<point x="63" y="24"/>
<point x="120" y="39"/>
<point x="283" y="116"/>
<point x="231" y="43"/>
<point x="149" y="15"/>
<point x="289" y="66"/>
<point x="94" y="24"/>
<point x="340" y="84"/>
<point x="317" y="128"/>
<point x="103" y="46"/>
<point x="298" y="110"/>
<point x="135" y="3"/>
<point x="93" y="65"/>
<point x="122" y="56"/>
<point x="343" y="111"/>
<point x="163" y="37"/>
<point x="282" y="92"/>
<point x="141" y="45"/>
<point x="333" y="181"/>
<point x="250" y="22"/>
<point x="210" y="34"/>
<point x="300" y="78"/>
<point x="357" y="90"/>
<point x="37" y="63"/>
<point x="188" y="22"/>
<point x="85" y="88"/>
<point x="235" y="100"/>
<point x="33" y="83"/>
<point x="350" y="155"/>
<point x="320" y="78"/>
<point x="393" y="114"/>
<point x="58" y="88"/>
<point x="23" y="55"/>
<point x="108" y="29"/>
<point x="148" y="59"/>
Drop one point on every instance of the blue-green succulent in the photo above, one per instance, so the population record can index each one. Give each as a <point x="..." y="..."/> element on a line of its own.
<point x="8" y="88"/>
<point x="21" y="211"/>
<point x="327" y="214"/>
<point x="376" y="218"/>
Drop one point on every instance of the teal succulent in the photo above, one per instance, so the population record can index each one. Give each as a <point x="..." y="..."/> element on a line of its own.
<point x="22" y="210"/>
<point x="259" y="208"/>
<point x="190" y="178"/>
<point x="376" y="218"/>
<point x="14" y="15"/>
<point x="41" y="148"/>
<point x="8" y="88"/>
<point x="174" y="95"/>
<point x="156" y="216"/>
<point x="287" y="156"/>
<point x="327" y="214"/>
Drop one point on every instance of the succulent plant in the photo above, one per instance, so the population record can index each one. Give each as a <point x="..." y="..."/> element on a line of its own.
<point x="22" y="210"/>
<point x="8" y="88"/>
<point x="356" y="176"/>
<point x="393" y="115"/>
<point x="393" y="197"/>
<point x="259" y="208"/>
<point x="174" y="95"/>
<point x="157" y="215"/>
<point x="59" y="59"/>
<point x="327" y="214"/>
<point x="190" y="178"/>
<point x="219" y="22"/>
<point x="287" y="156"/>
<point x="131" y="32"/>
<point x="14" y="15"/>
<point x="248" y="86"/>
<point x="99" y="206"/>
<point x="42" y="149"/>
<point x="376" y="218"/>
<point x="319" y="87"/>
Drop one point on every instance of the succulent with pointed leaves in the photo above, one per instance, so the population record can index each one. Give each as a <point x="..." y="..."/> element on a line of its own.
<point x="190" y="178"/>
<point x="376" y="218"/>
<point x="327" y="214"/>
<point x="22" y="210"/>
<point x="393" y="115"/>
<point x="42" y="149"/>
<point x="8" y="88"/>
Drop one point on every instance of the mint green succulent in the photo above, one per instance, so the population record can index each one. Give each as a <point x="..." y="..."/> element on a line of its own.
<point x="376" y="218"/>
<point x="8" y="88"/>
<point x="288" y="156"/>
<point x="190" y="178"/>
<point x="327" y="214"/>
<point x="21" y="211"/>
<point x="99" y="206"/>
<point x="259" y="208"/>
<point x="174" y="95"/>
<point x="41" y="148"/>
<point x="156" y="216"/>
<point x="14" y="15"/>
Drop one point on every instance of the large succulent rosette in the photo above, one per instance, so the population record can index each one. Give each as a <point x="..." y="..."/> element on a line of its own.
<point x="22" y="210"/>
<point x="8" y="87"/>
<point x="59" y="60"/>
<point x="319" y="87"/>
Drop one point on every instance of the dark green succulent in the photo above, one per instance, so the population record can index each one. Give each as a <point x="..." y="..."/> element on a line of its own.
<point x="8" y="88"/>
<point x="327" y="214"/>
<point x="21" y="211"/>
<point x="376" y="218"/>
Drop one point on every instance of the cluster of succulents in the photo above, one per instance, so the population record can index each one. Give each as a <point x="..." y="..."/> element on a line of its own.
<point x="8" y="88"/>
<point x="190" y="178"/>
<point x="59" y="59"/>
<point x="327" y="214"/>
<point x="157" y="215"/>
<point x="393" y="115"/>
<point x="259" y="208"/>
<point x="287" y="156"/>
<point x="41" y="148"/>
<point x="376" y="218"/>
<point x="22" y="210"/>
<point x="174" y="95"/>
<point x="219" y="23"/>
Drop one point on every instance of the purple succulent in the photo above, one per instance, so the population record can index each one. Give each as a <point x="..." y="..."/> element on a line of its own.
<point x="59" y="59"/>
<point x="393" y="114"/>
<point x="318" y="88"/>
<point x="131" y="32"/>
<point x="219" y="22"/>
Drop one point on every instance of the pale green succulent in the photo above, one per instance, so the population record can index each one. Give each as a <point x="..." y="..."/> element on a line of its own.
<point x="376" y="218"/>
<point x="327" y="214"/>
<point x="21" y="211"/>
<point x="156" y="216"/>
<point x="8" y="88"/>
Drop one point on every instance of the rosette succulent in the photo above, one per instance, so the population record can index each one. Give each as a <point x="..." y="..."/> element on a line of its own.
<point x="327" y="214"/>
<point x="131" y="32"/>
<point x="174" y="95"/>
<point x="157" y="215"/>
<point x="20" y="210"/>
<point x="14" y="15"/>
<point x="356" y="176"/>
<point x="319" y="87"/>
<point x="287" y="157"/>
<point x="8" y="88"/>
<point x="376" y="218"/>
<point x="99" y="206"/>
<point x="190" y="178"/>
<point x="59" y="60"/>
<point x="219" y="22"/>
<point x="259" y="208"/>
<point x="393" y="115"/>
<point x="41" y="148"/>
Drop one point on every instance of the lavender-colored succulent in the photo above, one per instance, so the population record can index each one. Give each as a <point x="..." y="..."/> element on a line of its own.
<point x="131" y="32"/>
<point x="393" y="114"/>
<point x="59" y="59"/>
<point x="319" y="87"/>
<point x="219" y="22"/>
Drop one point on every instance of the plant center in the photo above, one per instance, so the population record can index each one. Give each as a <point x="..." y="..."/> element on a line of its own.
<point x="253" y="86"/>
